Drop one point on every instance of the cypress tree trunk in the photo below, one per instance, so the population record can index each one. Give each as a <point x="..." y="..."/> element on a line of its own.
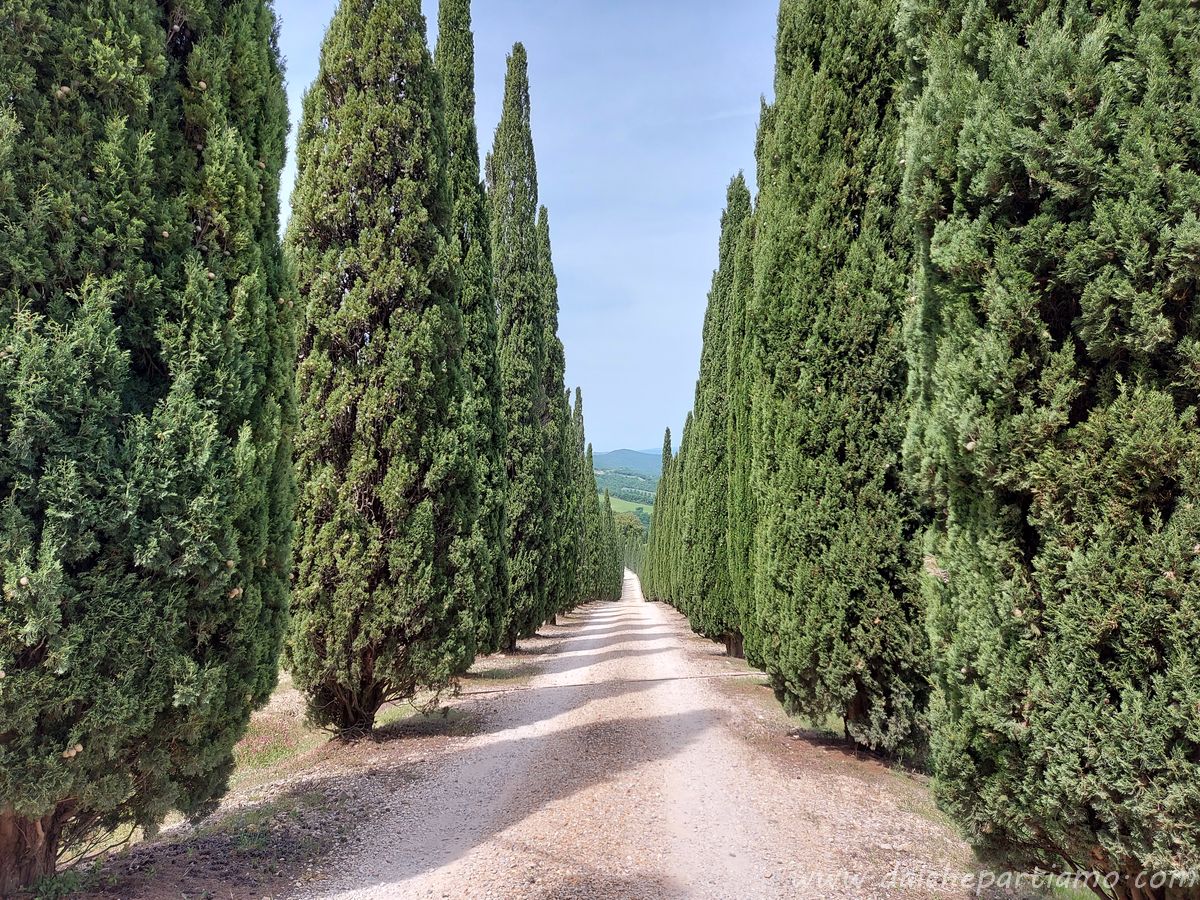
<point x="28" y="847"/>
<point x="388" y="489"/>
<point x="1052" y="176"/>
<point x="486" y="567"/>
<point x="145" y="390"/>
<point x="512" y="193"/>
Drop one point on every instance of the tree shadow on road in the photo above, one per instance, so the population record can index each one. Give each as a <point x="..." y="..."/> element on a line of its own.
<point x="446" y="816"/>
<point x="433" y="806"/>
<point x="429" y="789"/>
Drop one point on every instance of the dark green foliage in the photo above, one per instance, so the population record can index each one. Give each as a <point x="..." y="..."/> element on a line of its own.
<point x="488" y="563"/>
<point x="547" y="512"/>
<point x="388" y="488"/>
<point x="669" y="568"/>
<point x="741" y="374"/>
<point x="587" y="509"/>
<point x="632" y="534"/>
<point x="591" y="577"/>
<point x="706" y="595"/>
<point x="145" y="410"/>
<point x="687" y="555"/>
<point x="1053" y="158"/>
<point x="598" y="551"/>
<point x="679" y="521"/>
<point x="654" y="574"/>
<point x="611" y="552"/>
<point x="564" y="533"/>
<point x="835" y="576"/>
<point x="512" y="193"/>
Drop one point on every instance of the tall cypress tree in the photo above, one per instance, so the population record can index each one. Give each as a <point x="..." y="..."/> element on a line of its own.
<point x="455" y="59"/>
<point x="387" y="492"/>
<point x="668" y="521"/>
<point x="683" y="508"/>
<point x="591" y="535"/>
<point x="1052" y="174"/>
<point x="741" y="505"/>
<point x="836" y="577"/>
<point x="632" y="532"/>
<point x="708" y="593"/>
<point x="145" y="391"/>
<point x="611" y="555"/>
<point x="652" y="582"/>
<point x="512" y="193"/>
<point x="678" y="521"/>
<point x="563" y="534"/>
<point x="585" y="505"/>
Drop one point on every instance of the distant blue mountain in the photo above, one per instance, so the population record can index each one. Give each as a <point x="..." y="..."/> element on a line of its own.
<point x="644" y="463"/>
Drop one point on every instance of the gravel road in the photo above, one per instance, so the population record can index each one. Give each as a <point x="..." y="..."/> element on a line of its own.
<point x="630" y="758"/>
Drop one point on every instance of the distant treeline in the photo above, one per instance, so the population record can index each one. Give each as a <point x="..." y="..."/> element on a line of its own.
<point x="636" y="487"/>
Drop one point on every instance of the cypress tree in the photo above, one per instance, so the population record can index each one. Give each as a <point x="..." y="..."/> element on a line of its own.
<point x="145" y="396"/>
<point x="678" y="523"/>
<point x="387" y="493"/>
<point x="591" y="536"/>
<point x="682" y="521"/>
<point x="611" y="556"/>
<point x="1052" y="177"/>
<point x="512" y="193"/>
<point x="632" y="535"/>
<point x="562" y="555"/>
<point x="652" y="583"/>
<point x="836" y="576"/>
<point x="601" y="570"/>
<point x="741" y="504"/>
<point x="586" y="507"/>
<point x="668" y="521"/>
<point x="455" y="59"/>
<point x="708" y="593"/>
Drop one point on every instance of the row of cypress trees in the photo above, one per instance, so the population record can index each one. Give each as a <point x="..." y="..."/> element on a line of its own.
<point x="383" y="454"/>
<point x="941" y="475"/>
<point x="178" y="398"/>
<point x="439" y="457"/>
<point x="601" y="570"/>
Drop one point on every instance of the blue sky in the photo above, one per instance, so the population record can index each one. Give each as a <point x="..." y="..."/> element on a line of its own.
<point x="642" y="112"/>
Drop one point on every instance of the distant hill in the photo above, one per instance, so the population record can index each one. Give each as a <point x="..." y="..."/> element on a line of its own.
<point x="628" y="475"/>
<point x="630" y="460"/>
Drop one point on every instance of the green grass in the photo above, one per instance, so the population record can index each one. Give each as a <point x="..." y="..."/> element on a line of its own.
<point x="620" y="505"/>
<point x="1071" y="893"/>
<point x="277" y="734"/>
<point x="393" y="713"/>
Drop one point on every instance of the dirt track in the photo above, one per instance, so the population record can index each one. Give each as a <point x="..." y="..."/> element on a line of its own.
<point x="629" y="758"/>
